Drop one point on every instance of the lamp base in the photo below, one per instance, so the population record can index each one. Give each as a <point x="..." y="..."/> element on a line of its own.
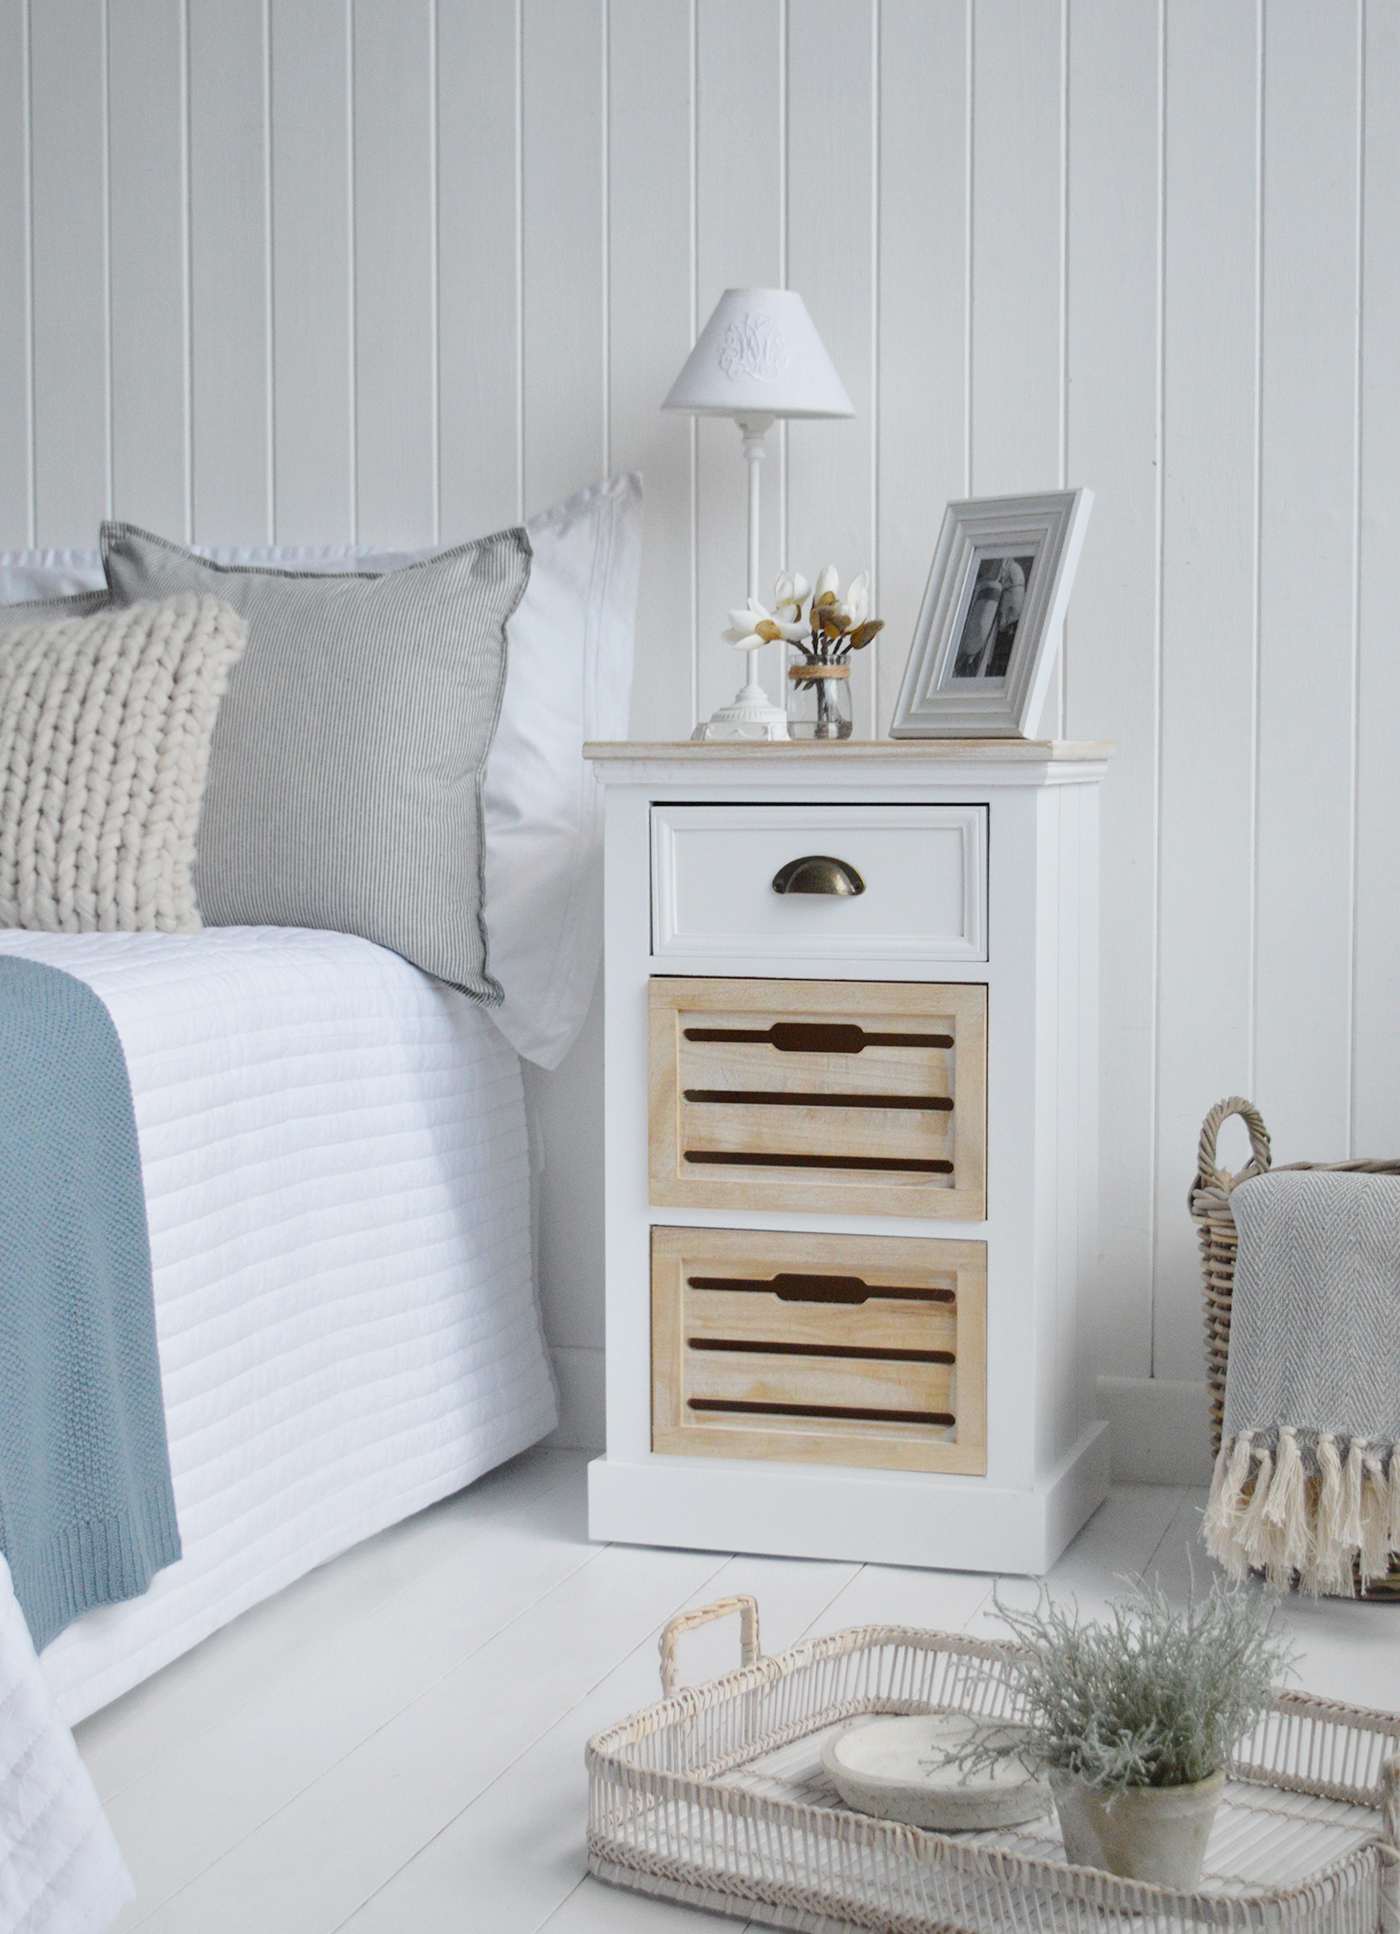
<point x="746" y="718"/>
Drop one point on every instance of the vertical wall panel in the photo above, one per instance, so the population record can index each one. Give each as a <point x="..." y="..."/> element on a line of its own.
<point x="1017" y="245"/>
<point x="922" y="405"/>
<point x="409" y="266"/>
<point x="649" y="222"/>
<point x="478" y="281"/>
<point x="395" y="300"/>
<point x="230" y="342"/>
<point x="1112" y="657"/>
<point x="71" y="423"/>
<point x="741" y="106"/>
<point x="565" y="275"/>
<point x="312" y="273"/>
<point x="1210" y="380"/>
<point x="1306" y="576"/>
<point x="1376" y="1049"/>
<point x="149" y="228"/>
<point x="830" y="259"/>
<point x="15" y="477"/>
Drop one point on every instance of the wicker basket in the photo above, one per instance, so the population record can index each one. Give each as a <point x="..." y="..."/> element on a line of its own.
<point x="717" y="1797"/>
<point x="1210" y="1207"/>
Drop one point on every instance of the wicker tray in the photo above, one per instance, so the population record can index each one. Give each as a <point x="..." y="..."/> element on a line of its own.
<point x="1210" y="1208"/>
<point x="717" y="1797"/>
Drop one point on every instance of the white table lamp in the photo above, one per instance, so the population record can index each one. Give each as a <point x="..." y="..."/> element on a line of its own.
<point x="758" y="357"/>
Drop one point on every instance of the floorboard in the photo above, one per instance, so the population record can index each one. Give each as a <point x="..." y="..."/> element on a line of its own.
<point x="395" y="1745"/>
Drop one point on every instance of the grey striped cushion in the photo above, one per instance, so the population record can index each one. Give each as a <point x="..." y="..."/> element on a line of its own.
<point x="344" y="784"/>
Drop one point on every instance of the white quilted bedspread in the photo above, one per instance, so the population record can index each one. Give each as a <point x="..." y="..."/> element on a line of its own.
<point x="337" y="1185"/>
<point x="60" y="1868"/>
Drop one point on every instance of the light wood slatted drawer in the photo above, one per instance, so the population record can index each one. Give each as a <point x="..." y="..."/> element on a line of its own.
<point x="842" y="1097"/>
<point x="857" y="1350"/>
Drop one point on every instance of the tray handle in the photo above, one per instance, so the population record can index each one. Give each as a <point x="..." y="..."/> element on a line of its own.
<point x="746" y="1607"/>
<point x="1208" y="1175"/>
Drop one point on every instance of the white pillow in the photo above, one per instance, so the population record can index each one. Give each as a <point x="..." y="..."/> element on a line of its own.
<point x="568" y="679"/>
<point x="27" y="576"/>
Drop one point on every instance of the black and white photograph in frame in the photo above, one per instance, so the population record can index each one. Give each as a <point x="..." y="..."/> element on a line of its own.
<point x="985" y="643"/>
<point x="993" y="614"/>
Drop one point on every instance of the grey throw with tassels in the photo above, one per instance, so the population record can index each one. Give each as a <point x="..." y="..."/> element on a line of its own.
<point x="87" y="1512"/>
<point x="1308" y="1477"/>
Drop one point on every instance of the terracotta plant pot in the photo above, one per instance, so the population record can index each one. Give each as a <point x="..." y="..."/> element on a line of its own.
<point x="1152" y="1833"/>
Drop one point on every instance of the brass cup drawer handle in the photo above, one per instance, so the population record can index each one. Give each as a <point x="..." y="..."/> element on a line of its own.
<point x="817" y="873"/>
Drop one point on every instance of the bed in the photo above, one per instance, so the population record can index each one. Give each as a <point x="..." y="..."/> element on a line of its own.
<point x="338" y="1194"/>
<point x="334" y="1150"/>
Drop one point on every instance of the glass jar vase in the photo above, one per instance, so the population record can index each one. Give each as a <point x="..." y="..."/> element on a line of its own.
<point x="819" y="701"/>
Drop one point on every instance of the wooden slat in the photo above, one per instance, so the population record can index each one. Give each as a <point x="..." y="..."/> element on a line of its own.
<point x="681" y="1312"/>
<point x="922" y="397"/>
<point x="1018" y="259"/>
<point x="833" y="1382"/>
<point x="1210" y="364"/>
<point x="831" y="484"/>
<point x="478" y="308"/>
<point x="752" y="1316"/>
<point x="854" y="1134"/>
<point x="565" y="426"/>
<point x="880" y="1134"/>
<point x="149" y="231"/>
<point x="1113" y="443"/>
<point x="230" y="344"/>
<point x="312" y="274"/>
<point x="878" y="1261"/>
<point x="1310" y="290"/>
<point x="1376" y="1046"/>
<point x="1017" y="236"/>
<point x="69" y="203"/>
<point x="15" y="478"/>
<point x="650" y="333"/>
<point x="739" y="243"/>
<point x="757" y="1064"/>
<point x="395" y="334"/>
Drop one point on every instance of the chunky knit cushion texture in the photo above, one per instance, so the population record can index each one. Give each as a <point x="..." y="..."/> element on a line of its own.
<point x="105" y="727"/>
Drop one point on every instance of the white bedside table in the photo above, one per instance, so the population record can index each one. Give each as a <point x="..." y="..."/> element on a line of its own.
<point x="851" y="1149"/>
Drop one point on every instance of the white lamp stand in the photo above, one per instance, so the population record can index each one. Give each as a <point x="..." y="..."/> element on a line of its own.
<point x="751" y="714"/>
<point x="757" y="358"/>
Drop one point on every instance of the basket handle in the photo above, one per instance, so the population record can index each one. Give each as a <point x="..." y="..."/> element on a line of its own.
<point x="746" y="1607"/>
<point x="1208" y="1175"/>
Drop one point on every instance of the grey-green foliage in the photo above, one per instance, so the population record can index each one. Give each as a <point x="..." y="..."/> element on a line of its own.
<point x="1148" y="1696"/>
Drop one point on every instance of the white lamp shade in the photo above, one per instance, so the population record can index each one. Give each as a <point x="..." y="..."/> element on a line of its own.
<point x="759" y="355"/>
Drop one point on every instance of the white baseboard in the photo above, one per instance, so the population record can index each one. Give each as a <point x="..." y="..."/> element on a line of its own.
<point x="582" y="1415"/>
<point x="1160" y="1431"/>
<point x="944" y="1523"/>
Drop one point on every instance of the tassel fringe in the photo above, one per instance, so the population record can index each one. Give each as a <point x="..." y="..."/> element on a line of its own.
<point x="1307" y="1506"/>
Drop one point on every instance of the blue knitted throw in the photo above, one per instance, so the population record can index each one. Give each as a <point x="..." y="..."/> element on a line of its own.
<point x="87" y="1513"/>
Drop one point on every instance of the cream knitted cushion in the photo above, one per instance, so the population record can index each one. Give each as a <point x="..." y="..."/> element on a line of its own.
<point x="105" y="724"/>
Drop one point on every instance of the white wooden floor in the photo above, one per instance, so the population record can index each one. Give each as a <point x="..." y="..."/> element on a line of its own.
<point x="395" y="1745"/>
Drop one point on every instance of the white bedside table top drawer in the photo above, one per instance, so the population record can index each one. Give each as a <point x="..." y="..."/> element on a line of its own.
<point x="924" y="870"/>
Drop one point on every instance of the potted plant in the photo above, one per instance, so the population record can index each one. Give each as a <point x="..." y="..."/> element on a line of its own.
<point x="1136" y="1717"/>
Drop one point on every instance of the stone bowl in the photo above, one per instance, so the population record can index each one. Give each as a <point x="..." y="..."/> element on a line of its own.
<point x="907" y="1769"/>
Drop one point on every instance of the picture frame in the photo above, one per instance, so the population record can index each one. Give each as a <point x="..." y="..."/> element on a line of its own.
<point x="990" y="624"/>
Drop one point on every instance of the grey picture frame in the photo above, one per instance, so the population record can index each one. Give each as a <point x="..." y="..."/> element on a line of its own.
<point x="984" y="646"/>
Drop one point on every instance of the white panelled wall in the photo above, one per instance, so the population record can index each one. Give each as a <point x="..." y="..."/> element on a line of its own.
<point x="403" y="270"/>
